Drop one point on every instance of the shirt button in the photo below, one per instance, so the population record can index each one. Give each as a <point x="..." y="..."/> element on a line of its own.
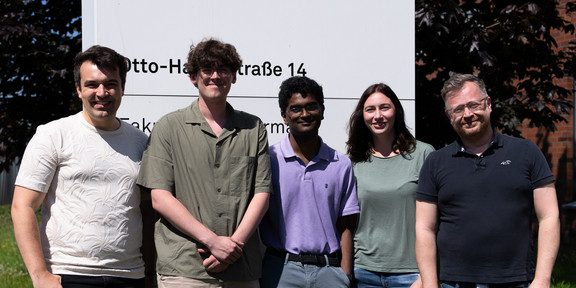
<point x="219" y="190"/>
<point x="217" y="165"/>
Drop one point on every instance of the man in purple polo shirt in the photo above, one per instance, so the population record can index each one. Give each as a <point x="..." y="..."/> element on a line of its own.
<point x="309" y="226"/>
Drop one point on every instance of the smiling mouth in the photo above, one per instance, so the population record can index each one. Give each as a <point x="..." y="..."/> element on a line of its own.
<point x="101" y="104"/>
<point x="306" y="123"/>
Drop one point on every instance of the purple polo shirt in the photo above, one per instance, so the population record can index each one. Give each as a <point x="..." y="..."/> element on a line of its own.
<point x="307" y="200"/>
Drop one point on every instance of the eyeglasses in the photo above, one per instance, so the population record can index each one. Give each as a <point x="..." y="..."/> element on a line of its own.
<point x="314" y="106"/>
<point x="473" y="106"/>
<point x="206" y="73"/>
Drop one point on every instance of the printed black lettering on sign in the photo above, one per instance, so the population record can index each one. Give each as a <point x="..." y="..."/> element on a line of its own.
<point x="176" y="66"/>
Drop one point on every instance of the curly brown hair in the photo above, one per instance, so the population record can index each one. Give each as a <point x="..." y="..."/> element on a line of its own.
<point x="210" y="53"/>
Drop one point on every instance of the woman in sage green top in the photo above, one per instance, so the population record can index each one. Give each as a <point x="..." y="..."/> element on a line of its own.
<point x="387" y="160"/>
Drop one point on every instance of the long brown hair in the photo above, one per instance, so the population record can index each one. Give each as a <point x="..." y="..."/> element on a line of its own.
<point x="360" y="143"/>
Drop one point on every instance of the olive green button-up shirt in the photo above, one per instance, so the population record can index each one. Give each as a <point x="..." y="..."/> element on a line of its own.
<point x="214" y="177"/>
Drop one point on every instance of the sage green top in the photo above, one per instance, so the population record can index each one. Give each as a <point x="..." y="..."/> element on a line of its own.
<point x="385" y="237"/>
<point x="214" y="178"/>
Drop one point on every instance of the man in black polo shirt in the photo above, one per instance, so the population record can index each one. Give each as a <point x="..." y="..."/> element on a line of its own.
<point x="475" y="199"/>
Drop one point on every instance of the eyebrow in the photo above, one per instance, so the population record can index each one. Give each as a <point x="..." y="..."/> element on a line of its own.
<point x="466" y="104"/>
<point x="107" y="81"/>
<point x="379" y="105"/>
<point x="307" y="104"/>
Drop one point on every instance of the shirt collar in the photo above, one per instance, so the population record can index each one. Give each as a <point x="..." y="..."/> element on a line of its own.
<point x="324" y="153"/>
<point x="194" y="116"/>
<point x="497" y="142"/>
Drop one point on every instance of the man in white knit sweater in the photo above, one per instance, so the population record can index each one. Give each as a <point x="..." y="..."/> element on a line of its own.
<point x="82" y="170"/>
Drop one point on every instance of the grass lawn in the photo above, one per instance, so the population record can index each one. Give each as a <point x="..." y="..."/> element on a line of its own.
<point x="13" y="273"/>
<point x="564" y="274"/>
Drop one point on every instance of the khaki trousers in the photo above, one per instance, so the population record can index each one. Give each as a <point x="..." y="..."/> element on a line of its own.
<point x="183" y="282"/>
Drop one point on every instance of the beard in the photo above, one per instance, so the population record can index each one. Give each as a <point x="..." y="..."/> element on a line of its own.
<point x="480" y="127"/>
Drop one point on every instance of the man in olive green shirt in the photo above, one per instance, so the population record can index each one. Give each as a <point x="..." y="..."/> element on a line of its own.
<point x="208" y="170"/>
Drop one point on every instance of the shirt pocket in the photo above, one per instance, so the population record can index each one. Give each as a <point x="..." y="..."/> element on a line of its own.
<point x="242" y="171"/>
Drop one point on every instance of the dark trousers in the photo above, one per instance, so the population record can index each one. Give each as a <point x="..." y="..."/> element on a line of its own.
<point x="78" y="281"/>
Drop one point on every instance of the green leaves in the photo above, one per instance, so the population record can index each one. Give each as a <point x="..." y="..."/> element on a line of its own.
<point x="509" y="44"/>
<point x="39" y="40"/>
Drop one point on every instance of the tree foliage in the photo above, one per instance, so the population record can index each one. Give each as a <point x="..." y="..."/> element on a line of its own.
<point x="39" y="40"/>
<point x="507" y="43"/>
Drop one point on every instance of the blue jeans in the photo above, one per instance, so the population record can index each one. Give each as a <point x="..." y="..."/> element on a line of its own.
<point x="369" y="279"/>
<point x="474" y="285"/>
<point x="79" y="281"/>
<point x="278" y="272"/>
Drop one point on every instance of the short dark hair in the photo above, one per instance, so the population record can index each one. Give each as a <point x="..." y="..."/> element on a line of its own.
<point x="102" y="57"/>
<point x="210" y="53"/>
<point x="456" y="83"/>
<point x="359" y="145"/>
<point x="302" y="85"/>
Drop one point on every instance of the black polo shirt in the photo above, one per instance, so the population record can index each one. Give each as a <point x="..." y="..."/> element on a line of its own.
<point x="485" y="205"/>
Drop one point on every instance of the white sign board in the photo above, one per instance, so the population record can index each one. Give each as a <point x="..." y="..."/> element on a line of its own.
<point x="344" y="45"/>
